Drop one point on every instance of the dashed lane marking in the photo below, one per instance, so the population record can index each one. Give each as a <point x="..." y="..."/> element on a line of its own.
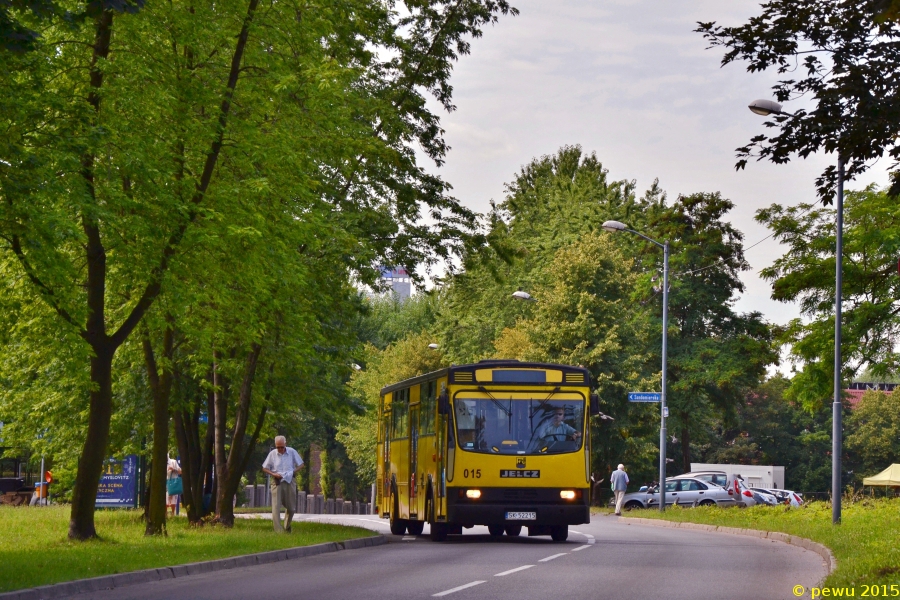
<point x="456" y="589"/>
<point x="590" y="538"/>
<point x="511" y="571"/>
<point x="552" y="557"/>
<point x="581" y="548"/>
<point x="408" y="539"/>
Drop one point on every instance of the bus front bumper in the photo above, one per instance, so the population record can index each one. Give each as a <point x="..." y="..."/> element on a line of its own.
<point x="494" y="510"/>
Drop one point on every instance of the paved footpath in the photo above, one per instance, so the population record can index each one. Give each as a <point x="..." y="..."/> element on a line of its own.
<point x="606" y="559"/>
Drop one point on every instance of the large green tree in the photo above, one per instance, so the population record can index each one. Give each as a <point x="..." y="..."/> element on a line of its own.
<point x="715" y="354"/>
<point x="805" y="274"/>
<point x="126" y="131"/>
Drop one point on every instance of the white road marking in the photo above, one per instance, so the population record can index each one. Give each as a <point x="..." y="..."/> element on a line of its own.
<point x="552" y="557"/>
<point x="581" y="548"/>
<point x="408" y="539"/>
<point x="456" y="589"/>
<point x="516" y="570"/>
<point x="590" y="538"/>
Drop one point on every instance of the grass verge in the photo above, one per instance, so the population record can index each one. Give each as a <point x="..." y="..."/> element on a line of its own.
<point x="866" y="544"/>
<point x="34" y="549"/>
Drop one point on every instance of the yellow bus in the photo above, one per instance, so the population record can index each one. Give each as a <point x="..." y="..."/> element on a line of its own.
<point x="500" y="443"/>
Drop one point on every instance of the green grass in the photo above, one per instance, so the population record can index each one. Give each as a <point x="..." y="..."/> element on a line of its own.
<point x="866" y="544"/>
<point x="34" y="549"/>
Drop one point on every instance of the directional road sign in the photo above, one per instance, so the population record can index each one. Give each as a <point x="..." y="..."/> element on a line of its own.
<point x="644" y="396"/>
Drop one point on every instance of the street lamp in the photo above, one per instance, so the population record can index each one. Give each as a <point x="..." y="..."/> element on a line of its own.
<point x="615" y="227"/>
<point x="766" y="108"/>
<point x="520" y="295"/>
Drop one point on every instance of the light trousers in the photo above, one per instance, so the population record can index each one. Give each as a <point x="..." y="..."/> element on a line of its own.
<point x="283" y="494"/>
<point x="620" y="498"/>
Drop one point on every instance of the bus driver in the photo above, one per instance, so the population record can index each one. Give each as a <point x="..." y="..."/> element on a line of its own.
<point x="556" y="430"/>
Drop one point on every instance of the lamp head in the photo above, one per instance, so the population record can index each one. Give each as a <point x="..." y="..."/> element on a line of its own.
<point x="520" y="295"/>
<point x="765" y="107"/>
<point x="613" y="226"/>
<point x="433" y="346"/>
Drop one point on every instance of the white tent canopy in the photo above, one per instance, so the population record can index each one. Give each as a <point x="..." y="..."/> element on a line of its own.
<point x="890" y="476"/>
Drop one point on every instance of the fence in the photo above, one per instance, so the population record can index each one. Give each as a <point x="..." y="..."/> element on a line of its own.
<point x="312" y="504"/>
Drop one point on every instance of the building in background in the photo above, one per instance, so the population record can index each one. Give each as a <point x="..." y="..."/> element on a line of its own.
<point x="400" y="282"/>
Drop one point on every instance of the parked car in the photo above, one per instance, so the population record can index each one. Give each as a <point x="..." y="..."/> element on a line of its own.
<point x="634" y="500"/>
<point x="689" y="491"/>
<point x="783" y="496"/>
<point x="749" y="497"/>
<point x="719" y="478"/>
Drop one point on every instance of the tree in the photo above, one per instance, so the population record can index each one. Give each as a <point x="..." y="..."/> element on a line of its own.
<point x="405" y="358"/>
<point x="870" y="324"/>
<point x="841" y="55"/>
<point x="715" y="354"/>
<point x="554" y="201"/>
<point x="874" y="441"/>
<point x="124" y="132"/>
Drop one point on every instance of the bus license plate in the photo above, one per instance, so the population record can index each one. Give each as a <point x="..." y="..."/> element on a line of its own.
<point x="521" y="516"/>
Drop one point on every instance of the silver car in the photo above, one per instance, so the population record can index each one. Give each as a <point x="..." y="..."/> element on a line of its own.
<point x="782" y="496"/>
<point x="687" y="491"/>
<point x="634" y="500"/>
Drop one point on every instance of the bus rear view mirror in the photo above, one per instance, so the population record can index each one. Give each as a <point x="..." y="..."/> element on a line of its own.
<point x="595" y="404"/>
<point x="443" y="404"/>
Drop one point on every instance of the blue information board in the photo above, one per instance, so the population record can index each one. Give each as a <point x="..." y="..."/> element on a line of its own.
<point x="644" y="396"/>
<point x="118" y="485"/>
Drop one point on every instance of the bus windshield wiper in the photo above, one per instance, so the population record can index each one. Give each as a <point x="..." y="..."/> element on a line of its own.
<point x="508" y="412"/>
<point x="543" y="403"/>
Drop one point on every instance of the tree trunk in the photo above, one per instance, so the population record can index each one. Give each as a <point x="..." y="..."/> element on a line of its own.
<point x="196" y="455"/>
<point x="161" y="386"/>
<point x="93" y="453"/>
<point x="231" y="468"/>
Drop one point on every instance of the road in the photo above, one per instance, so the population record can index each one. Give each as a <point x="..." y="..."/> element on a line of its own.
<point x="606" y="559"/>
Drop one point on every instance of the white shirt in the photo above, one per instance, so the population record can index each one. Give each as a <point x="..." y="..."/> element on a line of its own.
<point x="283" y="464"/>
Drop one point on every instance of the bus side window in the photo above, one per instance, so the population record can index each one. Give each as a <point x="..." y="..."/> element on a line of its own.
<point x="426" y="413"/>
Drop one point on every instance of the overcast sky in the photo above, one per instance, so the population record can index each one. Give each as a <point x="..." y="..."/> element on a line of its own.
<point x="631" y="81"/>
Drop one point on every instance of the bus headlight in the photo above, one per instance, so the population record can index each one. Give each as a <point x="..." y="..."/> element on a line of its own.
<point x="473" y="494"/>
<point x="567" y="494"/>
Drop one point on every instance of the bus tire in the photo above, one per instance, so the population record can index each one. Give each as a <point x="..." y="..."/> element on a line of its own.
<point x="513" y="530"/>
<point x="415" y="527"/>
<point x="398" y="526"/>
<point x="495" y="530"/>
<point x="438" y="530"/>
<point x="559" y="533"/>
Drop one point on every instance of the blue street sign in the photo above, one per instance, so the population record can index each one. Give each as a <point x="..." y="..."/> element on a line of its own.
<point x="644" y="396"/>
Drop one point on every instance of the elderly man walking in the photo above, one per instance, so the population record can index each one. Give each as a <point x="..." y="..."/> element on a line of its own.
<point x="619" y="480"/>
<point x="282" y="464"/>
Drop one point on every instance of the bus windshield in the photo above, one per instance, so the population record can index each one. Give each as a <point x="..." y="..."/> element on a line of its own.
<point x="497" y="425"/>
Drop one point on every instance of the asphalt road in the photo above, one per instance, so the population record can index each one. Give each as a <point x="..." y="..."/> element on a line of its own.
<point x="606" y="559"/>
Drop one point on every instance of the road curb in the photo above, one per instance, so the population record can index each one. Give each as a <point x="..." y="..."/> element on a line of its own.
<point x="793" y="540"/>
<point x="108" y="582"/>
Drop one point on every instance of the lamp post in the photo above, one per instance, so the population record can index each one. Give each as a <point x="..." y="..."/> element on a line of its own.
<point x="766" y="108"/>
<point x="615" y="227"/>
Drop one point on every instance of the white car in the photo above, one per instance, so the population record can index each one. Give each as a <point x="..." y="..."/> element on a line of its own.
<point x="783" y="496"/>
<point x="749" y="497"/>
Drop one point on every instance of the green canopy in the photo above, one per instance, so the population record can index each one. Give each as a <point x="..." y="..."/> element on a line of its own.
<point x="890" y="476"/>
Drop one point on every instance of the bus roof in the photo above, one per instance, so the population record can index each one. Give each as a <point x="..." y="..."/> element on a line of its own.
<point x="503" y="364"/>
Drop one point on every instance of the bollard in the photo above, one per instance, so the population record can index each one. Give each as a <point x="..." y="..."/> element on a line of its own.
<point x="301" y="502"/>
<point x="348" y="507"/>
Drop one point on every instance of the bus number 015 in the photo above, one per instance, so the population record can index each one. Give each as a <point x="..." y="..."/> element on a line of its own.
<point x="474" y="473"/>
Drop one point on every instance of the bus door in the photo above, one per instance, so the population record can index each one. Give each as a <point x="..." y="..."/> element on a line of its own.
<point x="386" y="462"/>
<point x="413" y="459"/>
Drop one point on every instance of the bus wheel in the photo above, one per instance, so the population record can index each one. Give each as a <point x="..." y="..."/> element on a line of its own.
<point x="513" y="530"/>
<point x="559" y="533"/>
<point x="398" y="526"/>
<point x="495" y="530"/>
<point x="415" y="527"/>
<point x="438" y="530"/>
